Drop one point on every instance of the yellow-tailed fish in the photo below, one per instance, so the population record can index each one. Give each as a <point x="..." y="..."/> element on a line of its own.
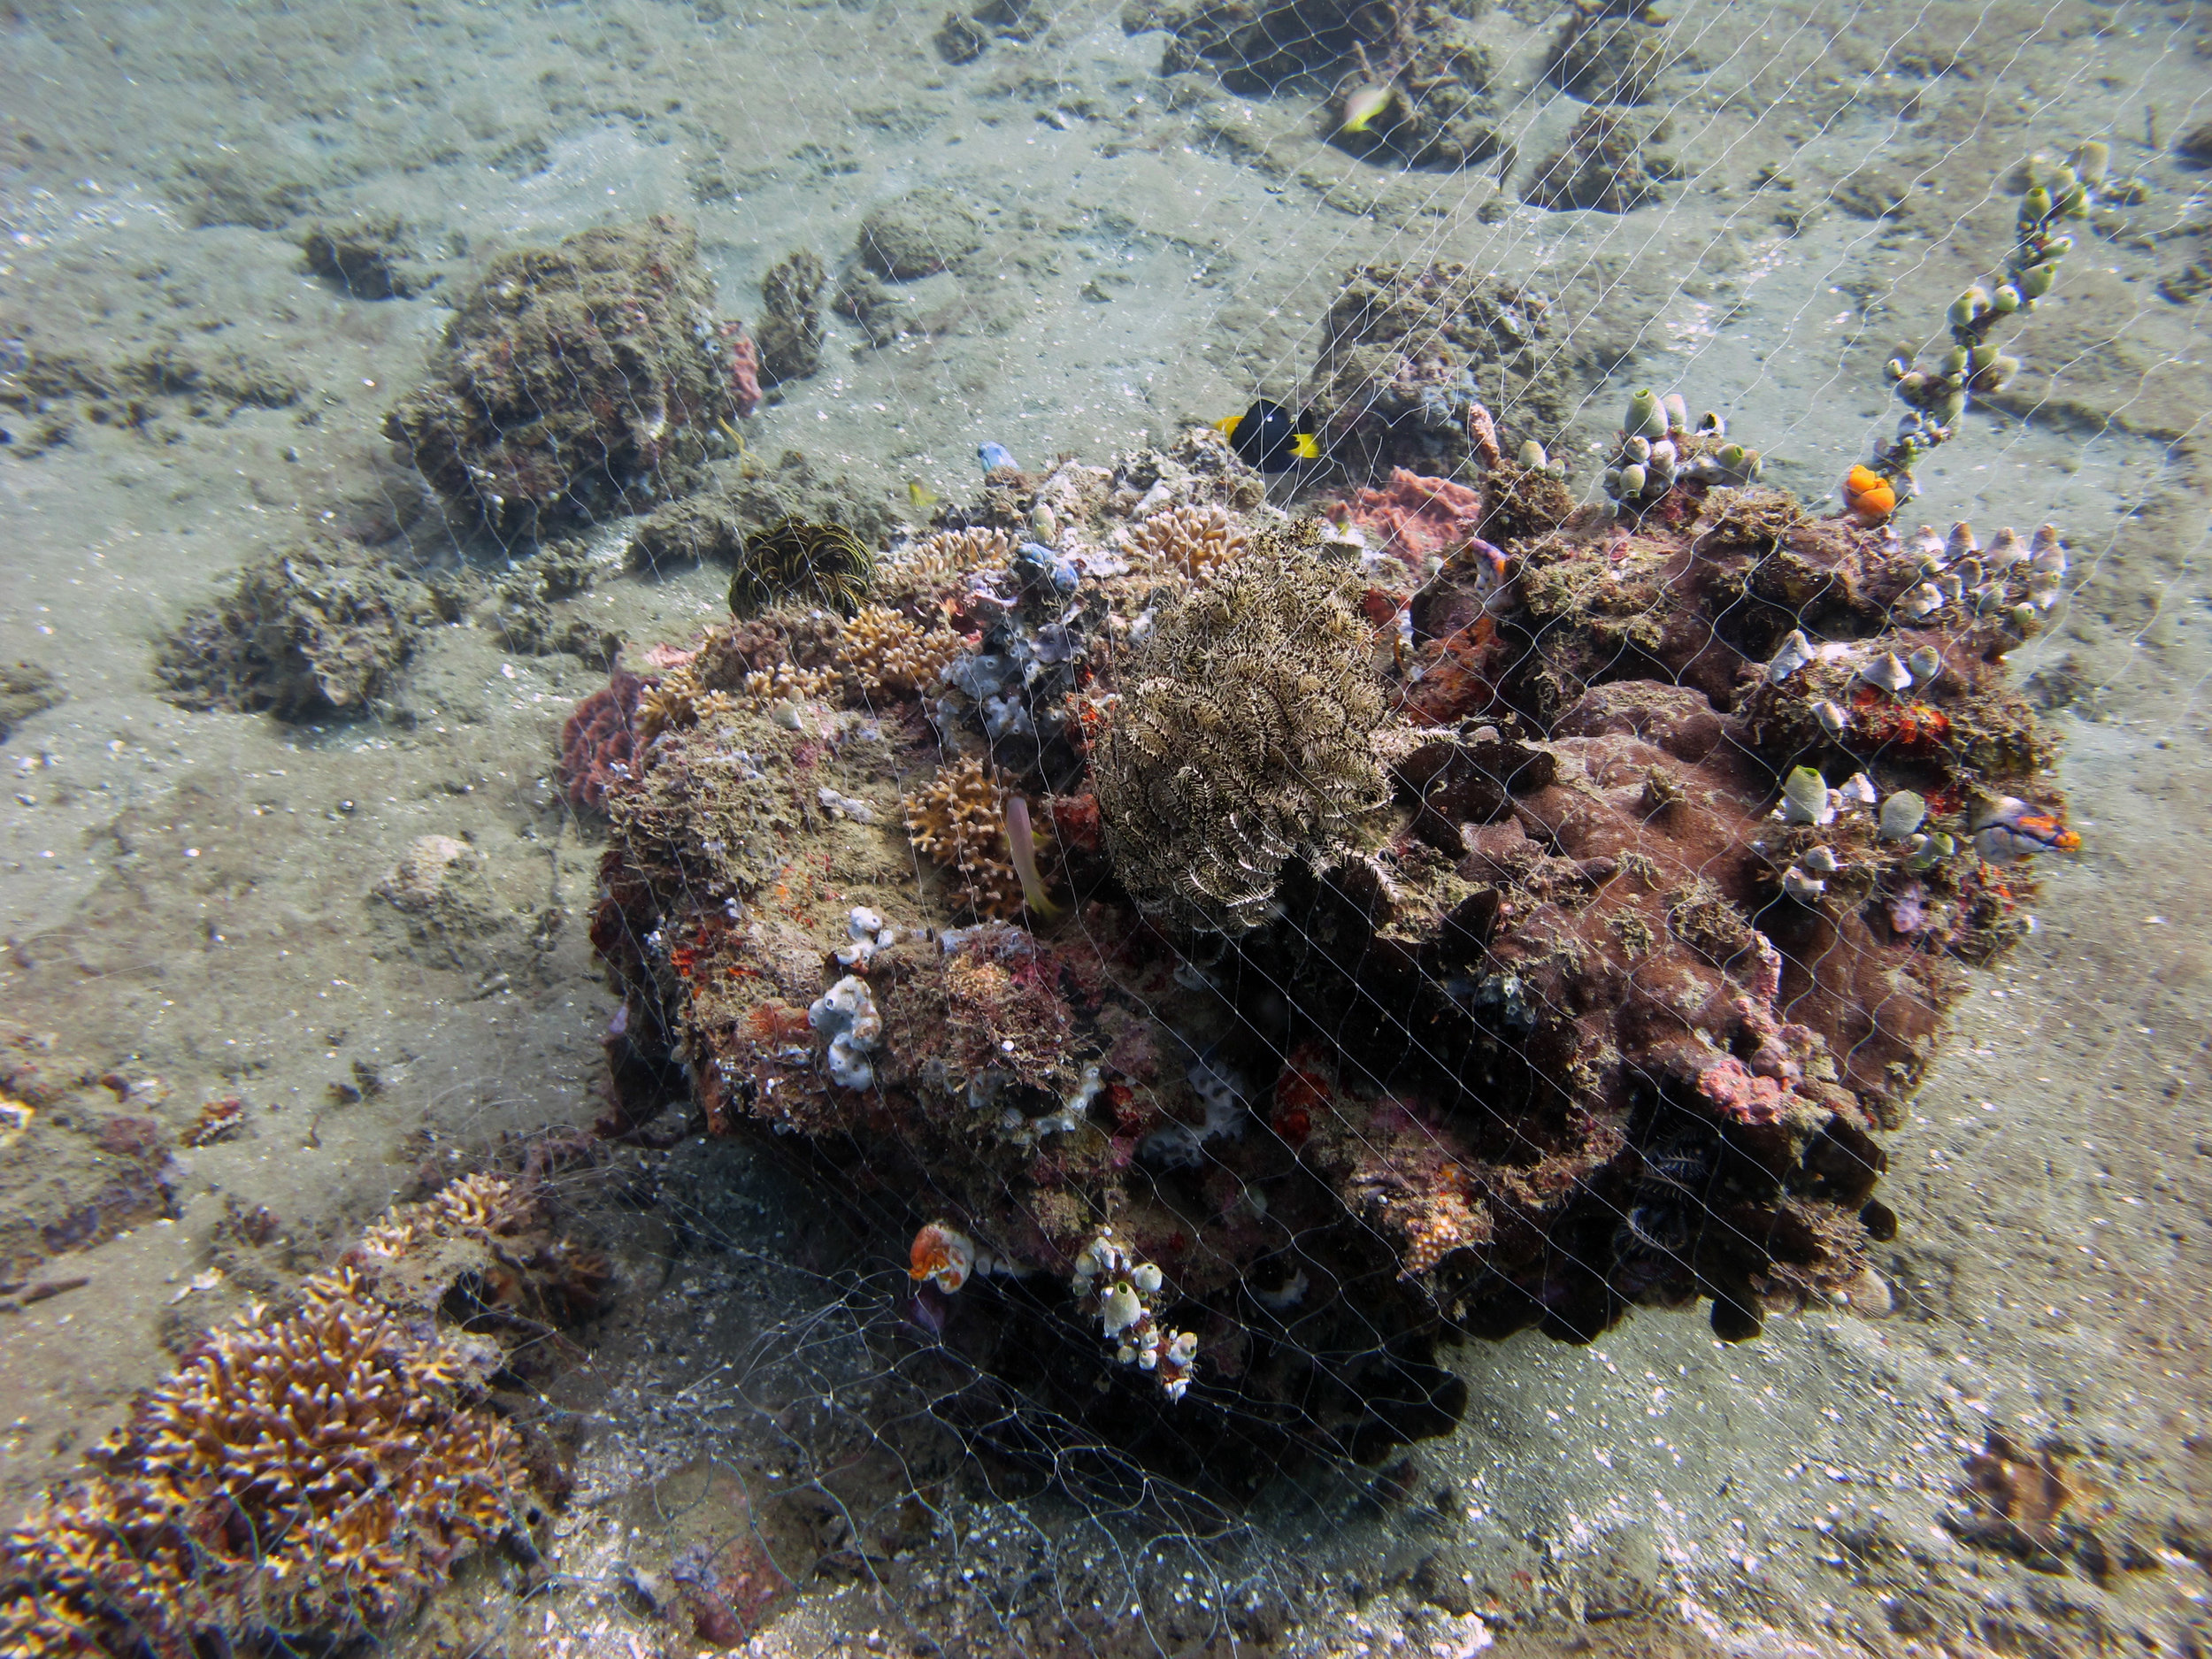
<point x="1362" y="105"/>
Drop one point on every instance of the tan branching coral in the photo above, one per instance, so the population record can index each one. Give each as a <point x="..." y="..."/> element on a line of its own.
<point x="959" y="820"/>
<point x="670" y="704"/>
<point x="938" y="561"/>
<point x="783" y="683"/>
<point x="886" y="654"/>
<point x="1192" y="541"/>
<point x="310" y="1477"/>
<point x="1242" y="740"/>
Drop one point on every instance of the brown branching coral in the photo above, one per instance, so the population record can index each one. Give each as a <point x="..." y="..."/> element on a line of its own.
<point x="886" y="654"/>
<point x="959" y="820"/>
<point x="1190" y="541"/>
<point x="940" y="560"/>
<point x="1242" y="741"/>
<point x="311" y="1477"/>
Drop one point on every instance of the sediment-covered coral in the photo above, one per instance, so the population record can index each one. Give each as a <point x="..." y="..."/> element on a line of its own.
<point x="918" y="235"/>
<point x="1609" y="162"/>
<point x="716" y="522"/>
<point x="369" y="257"/>
<point x="322" y="628"/>
<point x="1409" y="352"/>
<point x="789" y="333"/>
<point x="575" y="381"/>
<point x="1242" y="740"/>
<point x="1609" y="51"/>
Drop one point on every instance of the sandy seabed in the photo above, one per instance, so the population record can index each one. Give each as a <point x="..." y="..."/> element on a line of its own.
<point x="190" y="899"/>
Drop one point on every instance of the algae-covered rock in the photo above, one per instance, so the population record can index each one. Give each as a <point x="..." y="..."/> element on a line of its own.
<point x="1608" y="163"/>
<point x="1609" y="52"/>
<point x="26" y="689"/>
<point x="789" y="333"/>
<point x="321" y="628"/>
<point x="369" y="257"/>
<point x="918" y="235"/>
<point x="575" y="381"/>
<point x="1406" y="353"/>
<point x="715" y="523"/>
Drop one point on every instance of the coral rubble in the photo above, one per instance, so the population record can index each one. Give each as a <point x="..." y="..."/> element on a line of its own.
<point x="1458" y="912"/>
<point x="575" y="381"/>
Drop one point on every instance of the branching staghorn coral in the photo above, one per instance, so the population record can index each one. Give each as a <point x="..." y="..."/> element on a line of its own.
<point x="1190" y="541"/>
<point x="940" y="560"/>
<point x="886" y="654"/>
<point x="959" y="820"/>
<point x="1240" y="742"/>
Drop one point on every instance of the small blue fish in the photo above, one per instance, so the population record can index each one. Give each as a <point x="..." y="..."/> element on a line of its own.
<point x="993" y="456"/>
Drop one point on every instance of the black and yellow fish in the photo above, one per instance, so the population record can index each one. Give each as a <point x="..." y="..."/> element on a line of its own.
<point x="1267" y="436"/>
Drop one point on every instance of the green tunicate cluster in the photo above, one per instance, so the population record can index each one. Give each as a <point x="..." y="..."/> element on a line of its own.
<point x="1659" y="447"/>
<point x="1935" y="399"/>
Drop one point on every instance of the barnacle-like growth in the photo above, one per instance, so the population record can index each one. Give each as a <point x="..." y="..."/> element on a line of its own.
<point x="940" y="560"/>
<point x="885" y="653"/>
<point x="310" y="1477"/>
<point x="1242" y="740"/>
<point x="1192" y="541"/>
<point x="815" y="564"/>
<point x="959" y="820"/>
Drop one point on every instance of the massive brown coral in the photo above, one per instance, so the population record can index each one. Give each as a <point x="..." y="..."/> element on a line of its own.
<point x="1242" y="741"/>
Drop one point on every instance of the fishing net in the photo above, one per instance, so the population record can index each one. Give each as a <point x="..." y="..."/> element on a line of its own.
<point x="1519" y="1030"/>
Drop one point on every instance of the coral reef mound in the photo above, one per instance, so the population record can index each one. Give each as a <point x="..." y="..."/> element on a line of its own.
<point x="1456" y="912"/>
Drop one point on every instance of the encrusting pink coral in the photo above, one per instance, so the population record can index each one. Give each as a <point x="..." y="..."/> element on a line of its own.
<point x="599" y="742"/>
<point x="744" y="369"/>
<point x="1414" y="516"/>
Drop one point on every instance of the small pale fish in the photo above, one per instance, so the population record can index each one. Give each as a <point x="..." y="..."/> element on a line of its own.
<point x="1364" y="105"/>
